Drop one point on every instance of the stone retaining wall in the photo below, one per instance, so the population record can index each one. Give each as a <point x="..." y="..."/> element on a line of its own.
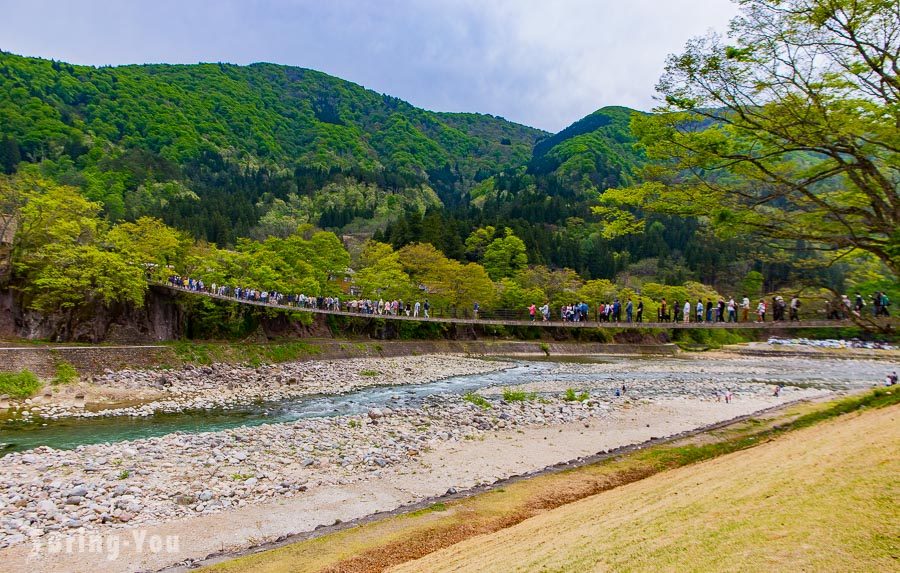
<point x="91" y="360"/>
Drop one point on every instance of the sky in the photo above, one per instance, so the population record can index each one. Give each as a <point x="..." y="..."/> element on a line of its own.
<point x="544" y="63"/>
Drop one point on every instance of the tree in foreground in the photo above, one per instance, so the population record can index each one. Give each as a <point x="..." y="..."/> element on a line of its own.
<point x="788" y="131"/>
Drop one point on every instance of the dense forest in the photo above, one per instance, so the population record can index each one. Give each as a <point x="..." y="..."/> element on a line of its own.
<point x="225" y="153"/>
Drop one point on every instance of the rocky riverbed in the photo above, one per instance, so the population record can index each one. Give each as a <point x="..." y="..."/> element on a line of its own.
<point x="106" y="487"/>
<point x="225" y="386"/>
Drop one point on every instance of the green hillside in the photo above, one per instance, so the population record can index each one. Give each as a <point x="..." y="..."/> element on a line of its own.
<point x="239" y="137"/>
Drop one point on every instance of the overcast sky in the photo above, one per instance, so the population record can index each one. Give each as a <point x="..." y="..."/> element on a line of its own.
<point x="545" y="63"/>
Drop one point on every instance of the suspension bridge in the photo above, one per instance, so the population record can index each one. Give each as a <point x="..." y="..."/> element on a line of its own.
<point x="497" y="318"/>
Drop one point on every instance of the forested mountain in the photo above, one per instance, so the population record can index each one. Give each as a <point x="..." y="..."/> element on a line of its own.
<point x="547" y="202"/>
<point x="225" y="151"/>
<point x="152" y="139"/>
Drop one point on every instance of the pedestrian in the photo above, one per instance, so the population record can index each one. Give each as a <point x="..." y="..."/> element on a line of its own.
<point x="426" y="307"/>
<point x="687" y="311"/>
<point x="416" y="309"/>
<point x="532" y="309"/>
<point x="629" y="311"/>
<point x="745" y="309"/>
<point x="699" y="310"/>
<point x="475" y="310"/>
<point x="859" y="305"/>
<point x="732" y="310"/>
<point x="795" y="308"/>
<point x="761" y="311"/>
<point x="640" y="311"/>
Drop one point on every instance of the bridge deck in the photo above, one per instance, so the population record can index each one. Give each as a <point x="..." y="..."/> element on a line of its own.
<point x="772" y="325"/>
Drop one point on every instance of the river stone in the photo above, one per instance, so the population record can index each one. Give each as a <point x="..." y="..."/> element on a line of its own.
<point x="78" y="491"/>
<point x="46" y="506"/>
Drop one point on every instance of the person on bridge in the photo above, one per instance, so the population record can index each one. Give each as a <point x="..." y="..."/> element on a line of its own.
<point x="795" y="308"/>
<point x="761" y="311"/>
<point x="629" y="311"/>
<point x="662" y="314"/>
<point x="416" y="309"/>
<point x="687" y="311"/>
<point x="699" y="310"/>
<point x="859" y="305"/>
<point x="531" y="310"/>
<point x="475" y="310"/>
<point x="732" y="310"/>
<point x="426" y="307"/>
<point x="640" y="311"/>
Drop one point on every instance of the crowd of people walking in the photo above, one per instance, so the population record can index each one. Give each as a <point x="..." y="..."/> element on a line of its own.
<point x="627" y="311"/>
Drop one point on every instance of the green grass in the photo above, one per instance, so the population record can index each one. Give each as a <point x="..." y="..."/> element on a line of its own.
<point x="371" y="373"/>
<point x="478" y="400"/>
<point x="23" y="384"/>
<point x="572" y="396"/>
<point x="518" y="396"/>
<point x="676" y="456"/>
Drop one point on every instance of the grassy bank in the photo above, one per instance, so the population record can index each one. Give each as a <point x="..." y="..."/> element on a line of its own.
<point x="397" y="540"/>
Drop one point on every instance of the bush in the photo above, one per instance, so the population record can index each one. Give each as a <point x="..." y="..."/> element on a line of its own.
<point x="22" y="384"/>
<point x="518" y="396"/>
<point x="572" y="396"/>
<point x="65" y="373"/>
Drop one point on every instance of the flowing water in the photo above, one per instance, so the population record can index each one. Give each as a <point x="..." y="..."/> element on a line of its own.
<point x="72" y="432"/>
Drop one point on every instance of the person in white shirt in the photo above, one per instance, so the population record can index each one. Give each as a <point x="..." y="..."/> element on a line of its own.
<point x="745" y="309"/>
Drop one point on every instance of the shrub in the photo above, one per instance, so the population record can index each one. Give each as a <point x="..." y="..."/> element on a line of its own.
<point x="478" y="400"/>
<point x="518" y="396"/>
<point x="65" y="373"/>
<point x="19" y="384"/>
<point x="572" y="396"/>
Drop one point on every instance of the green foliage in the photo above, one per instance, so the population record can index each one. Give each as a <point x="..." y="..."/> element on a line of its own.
<point x="23" y="384"/>
<point x="478" y="400"/>
<point x="505" y="256"/>
<point x="371" y="373"/>
<point x="802" y="156"/>
<point x="153" y="139"/>
<point x="510" y="395"/>
<point x="124" y="474"/>
<point x="65" y="373"/>
<point x="572" y="396"/>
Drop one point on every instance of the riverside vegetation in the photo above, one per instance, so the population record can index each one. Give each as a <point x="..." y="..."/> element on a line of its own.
<point x="249" y="174"/>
